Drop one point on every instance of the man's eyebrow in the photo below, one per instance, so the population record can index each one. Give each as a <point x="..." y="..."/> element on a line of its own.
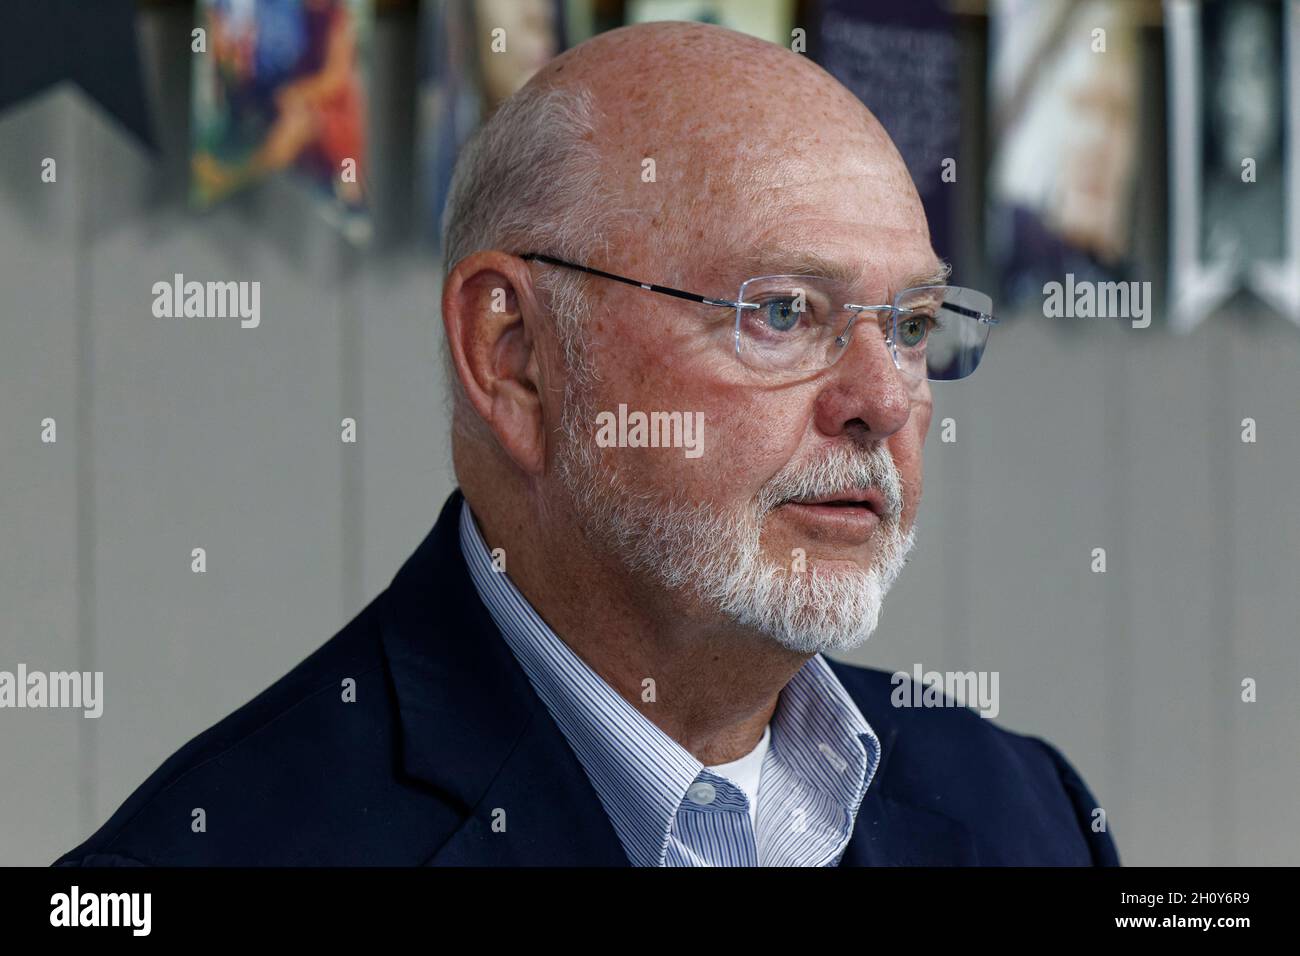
<point x="813" y="264"/>
<point x="936" y="276"/>
<point x="769" y="263"/>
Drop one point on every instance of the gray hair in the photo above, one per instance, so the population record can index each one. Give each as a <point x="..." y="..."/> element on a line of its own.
<point x="529" y="181"/>
<point x="528" y="177"/>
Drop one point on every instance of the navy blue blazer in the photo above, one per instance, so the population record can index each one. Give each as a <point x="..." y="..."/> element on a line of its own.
<point x="445" y="728"/>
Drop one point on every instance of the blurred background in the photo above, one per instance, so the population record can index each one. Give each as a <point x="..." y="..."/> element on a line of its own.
<point x="307" y="145"/>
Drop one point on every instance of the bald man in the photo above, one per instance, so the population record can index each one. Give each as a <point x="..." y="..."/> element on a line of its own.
<point x="692" y="316"/>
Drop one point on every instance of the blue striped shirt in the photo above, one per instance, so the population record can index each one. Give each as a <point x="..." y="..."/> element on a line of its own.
<point x="667" y="808"/>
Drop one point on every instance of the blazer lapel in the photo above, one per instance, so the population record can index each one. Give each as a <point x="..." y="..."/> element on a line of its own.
<point x="537" y="812"/>
<point x="891" y="830"/>
<point x="474" y="729"/>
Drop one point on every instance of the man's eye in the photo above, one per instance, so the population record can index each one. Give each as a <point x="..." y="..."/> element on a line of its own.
<point x="913" y="329"/>
<point x="781" y="314"/>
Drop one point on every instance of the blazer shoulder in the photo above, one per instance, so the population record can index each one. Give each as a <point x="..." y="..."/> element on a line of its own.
<point x="302" y="773"/>
<point x="1019" y="797"/>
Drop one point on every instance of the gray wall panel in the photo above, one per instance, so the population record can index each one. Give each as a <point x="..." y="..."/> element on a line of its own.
<point x="46" y="791"/>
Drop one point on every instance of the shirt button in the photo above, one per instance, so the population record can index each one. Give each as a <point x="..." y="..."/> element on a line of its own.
<point x="701" y="793"/>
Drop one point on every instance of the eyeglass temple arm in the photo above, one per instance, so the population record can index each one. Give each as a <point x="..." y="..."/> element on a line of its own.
<point x="665" y="290"/>
<point x="952" y="307"/>
<point x="975" y="314"/>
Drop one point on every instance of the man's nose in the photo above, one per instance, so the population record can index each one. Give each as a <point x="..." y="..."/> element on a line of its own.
<point x="863" y="391"/>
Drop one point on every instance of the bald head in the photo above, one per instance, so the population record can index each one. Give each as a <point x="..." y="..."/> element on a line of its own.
<point x="648" y="72"/>
<point x="732" y="125"/>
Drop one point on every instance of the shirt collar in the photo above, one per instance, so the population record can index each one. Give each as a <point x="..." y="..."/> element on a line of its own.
<point x="639" y="773"/>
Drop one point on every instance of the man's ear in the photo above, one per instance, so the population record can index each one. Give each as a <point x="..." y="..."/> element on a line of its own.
<point x="489" y="311"/>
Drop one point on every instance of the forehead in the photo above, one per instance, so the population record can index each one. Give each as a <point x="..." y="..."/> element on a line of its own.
<point x="856" y="243"/>
<point x="847" y="215"/>
<point x="761" y="185"/>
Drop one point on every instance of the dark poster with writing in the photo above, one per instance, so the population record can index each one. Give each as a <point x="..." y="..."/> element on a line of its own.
<point x="900" y="58"/>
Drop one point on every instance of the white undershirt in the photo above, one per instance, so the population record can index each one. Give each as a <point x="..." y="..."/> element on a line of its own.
<point x="745" y="772"/>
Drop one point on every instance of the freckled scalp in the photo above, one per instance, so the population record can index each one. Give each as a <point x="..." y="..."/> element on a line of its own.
<point x="662" y="84"/>
<point x="736" y="127"/>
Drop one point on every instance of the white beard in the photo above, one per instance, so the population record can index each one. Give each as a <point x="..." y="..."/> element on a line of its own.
<point x="692" y="546"/>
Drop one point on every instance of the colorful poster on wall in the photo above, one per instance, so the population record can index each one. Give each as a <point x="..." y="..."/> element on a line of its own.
<point x="767" y="19"/>
<point x="1063" y="129"/>
<point x="863" y="46"/>
<point x="1234" y="76"/>
<point x="474" y="54"/>
<point x="279" y="86"/>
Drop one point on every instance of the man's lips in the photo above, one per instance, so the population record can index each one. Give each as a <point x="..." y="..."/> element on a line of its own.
<point x="868" y="498"/>
<point x="848" y="517"/>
